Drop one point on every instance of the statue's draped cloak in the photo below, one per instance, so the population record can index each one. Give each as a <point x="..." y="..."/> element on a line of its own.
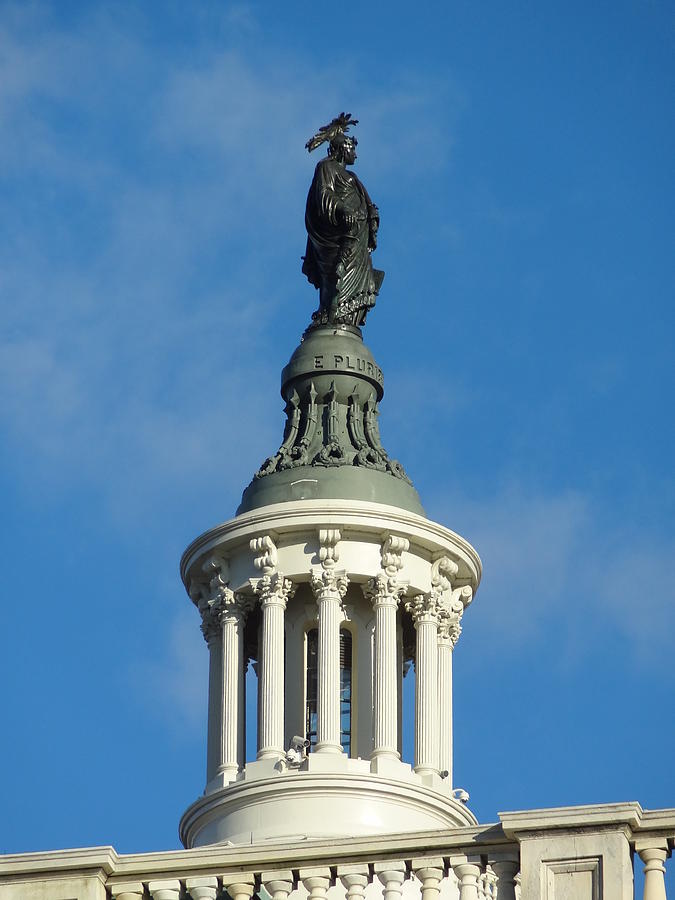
<point x="337" y="259"/>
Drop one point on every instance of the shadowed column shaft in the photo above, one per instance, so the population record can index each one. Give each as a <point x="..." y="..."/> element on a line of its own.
<point x="385" y="689"/>
<point x="271" y="717"/>
<point x="445" y="706"/>
<point x="426" y="695"/>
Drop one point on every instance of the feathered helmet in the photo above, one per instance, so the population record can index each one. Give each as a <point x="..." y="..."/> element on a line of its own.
<point x="334" y="132"/>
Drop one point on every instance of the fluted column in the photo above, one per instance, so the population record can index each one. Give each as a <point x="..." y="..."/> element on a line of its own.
<point x="653" y="855"/>
<point x="223" y="616"/>
<point x="450" y="604"/>
<point x="449" y="630"/>
<point x="211" y="629"/>
<point x="423" y="608"/>
<point x="384" y="598"/>
<point x="384" y="591"/>
<point x="273" y="591"/>
<point x="329" y="589"/>
<point x="233" y="614"/>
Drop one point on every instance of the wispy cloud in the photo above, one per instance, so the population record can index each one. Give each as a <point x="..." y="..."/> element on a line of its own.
<point x="173" y="684"/>
<point x="119" y="355"/>
<point x="553" y="562"/>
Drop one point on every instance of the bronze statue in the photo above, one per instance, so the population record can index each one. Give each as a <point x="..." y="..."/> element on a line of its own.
<point x="342" y="223"/>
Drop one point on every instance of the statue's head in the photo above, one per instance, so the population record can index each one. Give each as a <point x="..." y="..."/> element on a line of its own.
<point x="341" y="146"/>
<point x="343" y="149"/>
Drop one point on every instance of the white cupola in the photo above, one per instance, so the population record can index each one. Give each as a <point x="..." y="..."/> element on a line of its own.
<point x="332" y="582"/>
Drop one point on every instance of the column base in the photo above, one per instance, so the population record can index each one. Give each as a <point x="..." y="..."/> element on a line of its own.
<point x="326" y="762"/>
<point x="388" y="764"/>
<point x="222" y="779"/>
<point x="326" y="747"/>
<point x="270" y="753"/>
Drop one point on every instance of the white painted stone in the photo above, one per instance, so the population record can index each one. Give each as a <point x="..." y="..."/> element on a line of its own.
<point x="202" y="887"/>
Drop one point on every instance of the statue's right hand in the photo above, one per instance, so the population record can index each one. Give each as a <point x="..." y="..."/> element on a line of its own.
<point x="350" y="218"/>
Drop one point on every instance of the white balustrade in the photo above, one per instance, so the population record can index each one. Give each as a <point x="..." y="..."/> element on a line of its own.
<point x="239" y="885"/>
<point x="127" y="890"/>
<point x="203" y="887"/>
<point x="430" y="871"/>
<point x="316" y="881"/>
<point x="278" y="883"/>
<point x="653" y="854"/>
<point x="355" y="878"/>
<point x="168" y="889"/>
<point x="392" y="874"/>
<point x="506" y="869"/>
<point x="467" y="874"/>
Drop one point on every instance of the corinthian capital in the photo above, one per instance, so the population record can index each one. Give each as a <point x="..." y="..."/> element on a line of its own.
<point x="236" y="608"/>
<point x="211" y="622"/>
<point x="273" y="589"/>
<point x="212" y="596"/>
<point x="423" y="608"/>
<point x="449" y="628"/>
<point x="329" y="583"/>
<point x="384" y="590"/>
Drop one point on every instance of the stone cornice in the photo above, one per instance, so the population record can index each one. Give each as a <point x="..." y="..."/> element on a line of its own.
<point x="216" y="859"/>
<point x="361" y="516"/>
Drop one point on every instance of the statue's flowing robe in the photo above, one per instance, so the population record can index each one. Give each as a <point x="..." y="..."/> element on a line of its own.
<point x="337" y="259"/>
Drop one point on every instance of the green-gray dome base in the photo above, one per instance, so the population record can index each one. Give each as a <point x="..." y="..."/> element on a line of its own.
<point x="339" y="483"/>
<point x="331" y="447"/>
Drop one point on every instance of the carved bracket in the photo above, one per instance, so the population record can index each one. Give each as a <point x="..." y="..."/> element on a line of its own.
<point x="392" y="552"/>
<point x="443" y="572"/>
<point x="266" y="560"/>
<point x="328" y="549"/>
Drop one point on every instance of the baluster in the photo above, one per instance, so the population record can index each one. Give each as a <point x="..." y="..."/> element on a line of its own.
<point x="316" y="881"/>
<point x="392" y="875"/>
<point x="164" y="890"/>
<point x="239" y="885"/>
<point x="278" y="883"/>
<point x="490" y="884"/>
<point x="204" y="887"/>
<point x="430" y="871"/>
<point x="653" y="854"/>
<point x="467" y="873"/>
<point x="355" y="879"/>
<point x="127" y="890"/>
<point x="506" y="869"/>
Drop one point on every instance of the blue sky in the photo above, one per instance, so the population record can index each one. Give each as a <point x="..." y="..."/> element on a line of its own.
<point x="152" y="180"/>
